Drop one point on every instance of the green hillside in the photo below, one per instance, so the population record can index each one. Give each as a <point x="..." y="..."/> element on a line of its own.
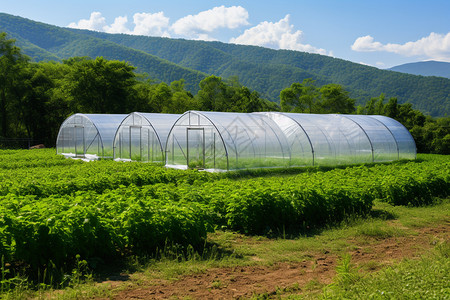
<point x="45" y="42"/>
<point x="269" y="71"/>
<point x="264" y="70"/>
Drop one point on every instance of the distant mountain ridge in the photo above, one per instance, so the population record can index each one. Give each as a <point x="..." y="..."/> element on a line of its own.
<point x="425" y="68"/>
<point x="265" y="70"/>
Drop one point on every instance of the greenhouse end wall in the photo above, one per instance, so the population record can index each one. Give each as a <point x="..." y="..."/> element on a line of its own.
<point x="143" y="136"/>
<point x="232" y="141"/>
<point x="226" y="141"/>
<point x="88" y="136"/>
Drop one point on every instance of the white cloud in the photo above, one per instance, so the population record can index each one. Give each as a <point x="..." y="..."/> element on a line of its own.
<point x="96" y="22"/>
<point x="279" y="35"/>
<point x="205" y="22"/>
<point x="119" y="26"/>
<point x="435" y="46"/>
<point x="144" y="24"/>
<point x="151" y="24"/>
<point x="198" y="26"/>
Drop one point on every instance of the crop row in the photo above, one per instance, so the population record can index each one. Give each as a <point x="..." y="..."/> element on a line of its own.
<point x="54" y="230"/>
<point x="140" y="219"/>
<point x="49" y="174"/>
<point x="42" y="173"/>
<point x="58" y="209"/>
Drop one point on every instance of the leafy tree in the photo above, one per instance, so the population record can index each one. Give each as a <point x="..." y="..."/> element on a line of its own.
<point x="242" y="99"/>
<point x="375" y="106"/>
<point x="310" y="95"/>
<point x="12" y="66"/>
<point x="182" y="100"/>
<point x="306" y="98"/>
<point x="42" y="108"/>
<point x="334" y="99"/>
<point x="246" y="101"/>
<point x="212" y="95"/>
<point x="162" y="95"/>
<point x="162" y="98"/>
<point x="218" y="95"/>
<point x="100" y="86"/>
<point x="391" y="109"/>
<point x="433" y="136"/>
<point x="290" y="98"/>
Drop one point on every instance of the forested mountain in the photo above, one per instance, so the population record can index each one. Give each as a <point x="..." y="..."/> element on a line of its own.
<point x="425" y="68"/>
<point x="45" y="42"/>
<point x="264" y="70"/>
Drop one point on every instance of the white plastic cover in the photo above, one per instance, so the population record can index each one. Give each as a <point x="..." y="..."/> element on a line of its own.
<point x="343" y="139"/>
<point x="230" y="141"/>
<point x="143" y="137"/>
<point x="405" y="142"/>
<point x="226" y="141"/>
<point x="88" y="135"/>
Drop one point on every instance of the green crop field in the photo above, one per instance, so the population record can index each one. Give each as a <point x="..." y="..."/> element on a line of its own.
<point x="55" y="212"/>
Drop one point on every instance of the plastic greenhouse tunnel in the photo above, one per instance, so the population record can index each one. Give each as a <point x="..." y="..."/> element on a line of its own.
<point x="143" y="136"/>
<point x="218" y="141"/>
<point x="88" y="136"/>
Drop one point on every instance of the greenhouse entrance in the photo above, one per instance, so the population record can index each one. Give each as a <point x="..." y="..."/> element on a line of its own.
<point x="196" y="148"/>
<point x="135" y="143"/>
<point x="80" y="148"/>
<point x="139" y="143"/>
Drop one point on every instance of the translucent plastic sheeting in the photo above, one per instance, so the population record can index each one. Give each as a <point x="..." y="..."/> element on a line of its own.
<point x="329" y="139"/>
<point x="300" y="145"/>
<point x="344" y="139"/>
<point x="226" y="141"/>
<point x="88" y="135"/>
<point x="384" y="145"/>
<point x="405" y="142"/>
<point x="143" y="137"/>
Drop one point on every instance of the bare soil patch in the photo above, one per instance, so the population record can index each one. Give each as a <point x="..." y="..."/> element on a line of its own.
<point x="243" y="282"/>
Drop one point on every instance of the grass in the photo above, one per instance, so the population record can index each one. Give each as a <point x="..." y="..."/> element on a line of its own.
<point x="426" y="278"/>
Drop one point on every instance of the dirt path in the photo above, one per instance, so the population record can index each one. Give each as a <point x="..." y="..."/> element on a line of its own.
<point x="243" y="282"/>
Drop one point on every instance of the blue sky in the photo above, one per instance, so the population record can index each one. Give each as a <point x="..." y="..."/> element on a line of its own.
<point x="378" y="33"/>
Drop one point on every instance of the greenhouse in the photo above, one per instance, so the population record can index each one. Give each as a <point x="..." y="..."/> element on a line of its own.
<point x="231" y="141"/>
<point x="143" y="137"/>
<point x="342" y="139"/>
<point x="226" y="141"/>
<point x="88" y="136"/>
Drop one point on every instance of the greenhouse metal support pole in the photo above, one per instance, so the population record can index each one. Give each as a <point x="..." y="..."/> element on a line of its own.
<point x="129" y="141"/>
<point x="187" y="147"/>
<point x="140" y="143"/>
<point x="150" y="147"/>
<point x="307" y="136"/>
<point x="204" y="152"/>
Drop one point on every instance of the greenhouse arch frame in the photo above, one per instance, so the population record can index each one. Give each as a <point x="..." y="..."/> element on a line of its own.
<point x="143" y="136"/>
<point x="230" y="141"/>
<point x="88" y="136"/>
<point x="225" y="141"/>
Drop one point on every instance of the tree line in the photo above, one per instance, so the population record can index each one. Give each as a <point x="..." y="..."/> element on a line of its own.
<point x="35" y="98"/>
